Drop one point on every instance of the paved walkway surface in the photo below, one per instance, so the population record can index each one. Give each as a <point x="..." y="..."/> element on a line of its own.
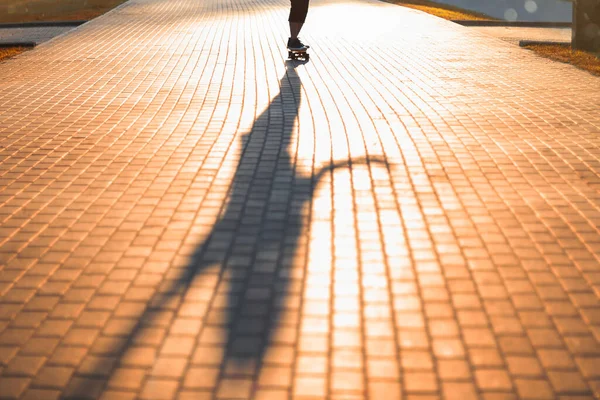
<point x="516" y="34"/>
<point x="411" y="214"/>
<point x="36" y="35"/>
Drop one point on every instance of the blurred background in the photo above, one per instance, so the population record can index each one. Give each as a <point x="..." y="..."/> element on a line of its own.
<point x="518" y="10"/>
<point x="15" y="11"/>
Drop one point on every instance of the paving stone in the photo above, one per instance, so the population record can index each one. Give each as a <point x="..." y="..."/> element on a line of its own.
<point x="524" y="366"/>
<point x="159" y="389"/>
<point x="208" y="356"/>
<point x="493" y="379"/>
<point x="117" y="395"/>
<point x="201" y="378"/>
<point x="317" y="364"/>
<point x="7" y="353"/>
<point x="280" y="377"/>
<point x="387" y="389"/>
<point x="40" y="346"/>
<point x="53" y="377"/>
<point x="80" y="337"/>
<point x="13" y="387"/>
<point x="459" y="390"/>
<point x="271" y="394"/>
<point x="309" y="386"/>
<point x="448" y="348"/>
<point x="194" y="395"/>
<point x="169" y="367"/>
<point x="486" y="357"/>
<point x="54" y="328"/>
<point x="29" y="320"/>
<point x="127" y="378"/>
<point x="534" y="389"/>
<point x="582" y="345"/>
<point x="234" y="388"/>
<point x="24" y="366"/>
<point x="517" y="345"/>
<point x="68" y="356"/>
<point x="36" y="394"/>
<point x="96" y="366"/>
<point x="454" y="370"/>
<point x="139" y="357"/>
<point x="16" y="337"/>
<point x="420" y="382"/>
<point x="567" y="382"/>
<point x="590" y="367"/>
<point x="347" y="381"/>
<point x="383" y="369"/>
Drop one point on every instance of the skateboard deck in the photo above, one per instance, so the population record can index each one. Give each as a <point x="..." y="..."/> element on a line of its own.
<point x="298" y="55"/>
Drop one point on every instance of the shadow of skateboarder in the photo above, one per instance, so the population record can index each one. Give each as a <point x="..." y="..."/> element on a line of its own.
<point x="254" y="240"/>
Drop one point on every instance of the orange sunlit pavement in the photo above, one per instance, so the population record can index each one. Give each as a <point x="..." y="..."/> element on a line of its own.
<point x="186" y="214"/>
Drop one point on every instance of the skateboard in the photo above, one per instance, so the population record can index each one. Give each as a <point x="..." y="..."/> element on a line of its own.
<point x="298" y="55"/>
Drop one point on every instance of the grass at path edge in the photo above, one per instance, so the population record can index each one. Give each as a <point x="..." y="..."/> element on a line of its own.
<point x="565" y="54"/>
<point x="7" y="52"/>
<point x="46" y="11"/>
<point x="583" y="60"/>
<point x="444" y="11"/>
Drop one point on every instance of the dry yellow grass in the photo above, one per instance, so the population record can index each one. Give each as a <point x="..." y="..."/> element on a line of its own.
<point x="17" y="11"/>
<point x="8" y="52"/>
<point x="53" y="10"/>
<point x="581" y="59"/>
<point x="442" y="10"/>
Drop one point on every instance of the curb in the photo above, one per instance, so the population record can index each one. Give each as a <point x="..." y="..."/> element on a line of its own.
<point x="523" y="43"/>
<point x="516" y="24"/>
<point x="17" y="44"/>
<point x="42" y="24"/>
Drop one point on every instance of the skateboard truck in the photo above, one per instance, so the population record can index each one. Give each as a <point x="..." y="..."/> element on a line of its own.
<point x="298" y="55"/>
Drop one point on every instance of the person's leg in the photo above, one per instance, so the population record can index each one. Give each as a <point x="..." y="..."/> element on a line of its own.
<point x="295" y="28"/>
<point x="298" y="13"/>
<point x="297" y="17"/>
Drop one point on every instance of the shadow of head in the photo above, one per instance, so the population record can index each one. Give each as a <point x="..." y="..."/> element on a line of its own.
<point x="251" y="248"/>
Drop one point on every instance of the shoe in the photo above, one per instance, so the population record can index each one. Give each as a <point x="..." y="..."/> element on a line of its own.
<point x="296" y="45"/>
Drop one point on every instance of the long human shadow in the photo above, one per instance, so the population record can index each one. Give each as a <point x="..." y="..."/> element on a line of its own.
<point x="254" y="239"/>
<point x="258" y="233"/>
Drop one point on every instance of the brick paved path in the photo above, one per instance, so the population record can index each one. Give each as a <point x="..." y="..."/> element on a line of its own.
<point x="184" y="215"/>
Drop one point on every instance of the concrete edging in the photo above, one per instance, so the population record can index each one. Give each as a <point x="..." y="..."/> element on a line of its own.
<point x="516" y="24"/>
<point x="523" y="43"/>
<point x="42" y="24"/>
<point x="17" y="44"/>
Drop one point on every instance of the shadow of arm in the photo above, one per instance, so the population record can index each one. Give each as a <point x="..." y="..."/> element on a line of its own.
<point x="349" y="163"/>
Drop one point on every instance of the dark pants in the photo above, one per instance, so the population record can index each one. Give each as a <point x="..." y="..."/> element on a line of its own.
<point x="298" y="11"/>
